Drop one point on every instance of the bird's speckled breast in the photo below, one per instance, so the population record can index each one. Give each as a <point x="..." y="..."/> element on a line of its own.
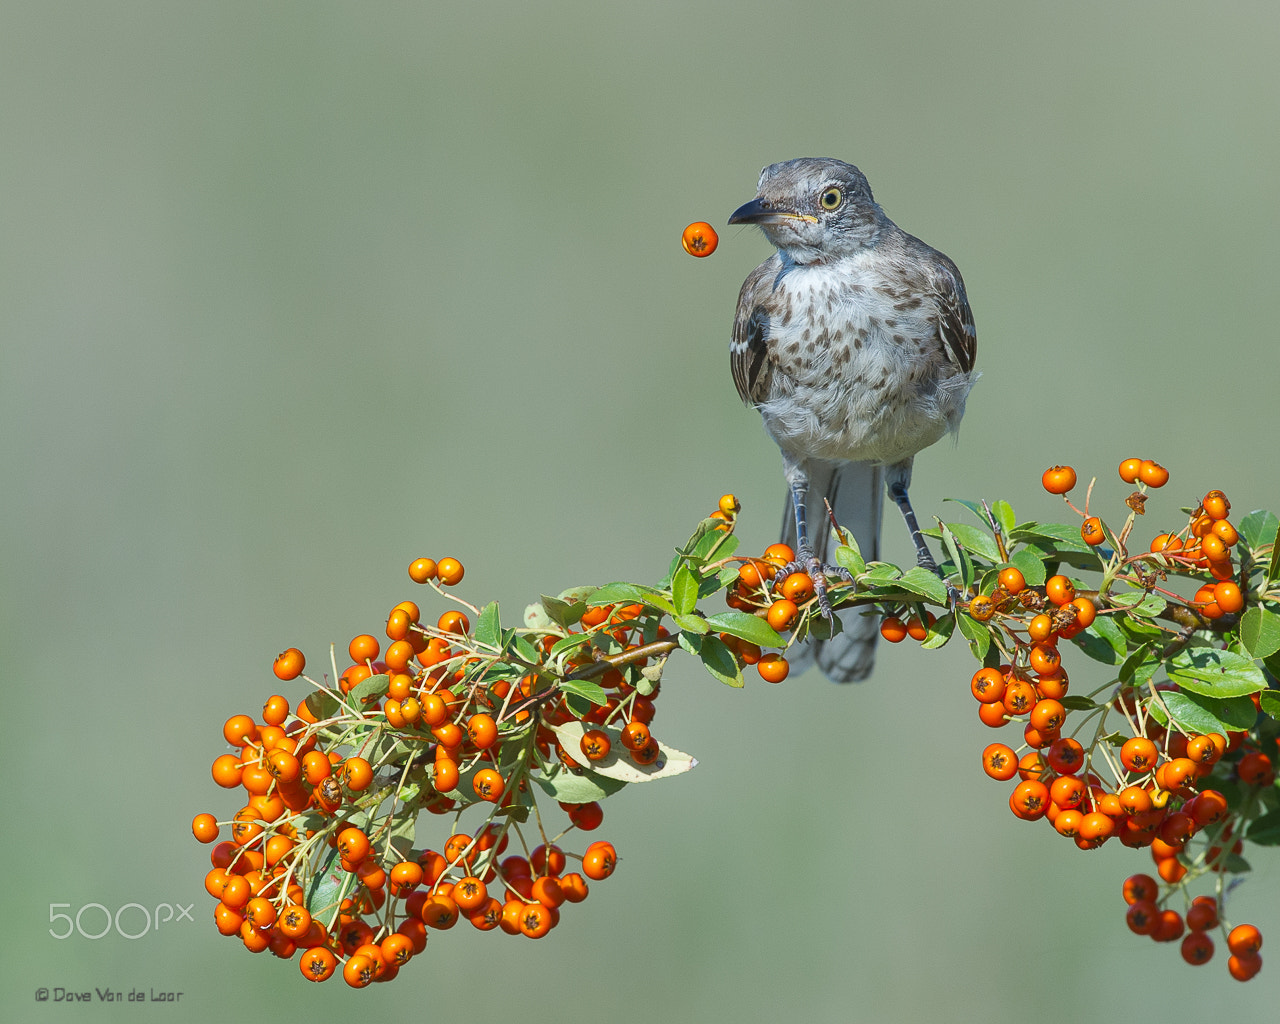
<point x="859" y="369"/>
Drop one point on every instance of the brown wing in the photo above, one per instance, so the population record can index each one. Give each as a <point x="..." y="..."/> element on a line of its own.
<point x="749" y="346"/>
<point x="955" y="318"/>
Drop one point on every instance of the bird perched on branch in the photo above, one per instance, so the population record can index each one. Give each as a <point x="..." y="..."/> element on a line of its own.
<point x="856" y="344"/>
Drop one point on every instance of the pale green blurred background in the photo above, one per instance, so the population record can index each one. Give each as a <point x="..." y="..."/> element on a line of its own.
<point x="293" y="293"/>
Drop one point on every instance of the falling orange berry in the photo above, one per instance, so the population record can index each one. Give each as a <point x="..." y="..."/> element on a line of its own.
<point x="700" y="239"/>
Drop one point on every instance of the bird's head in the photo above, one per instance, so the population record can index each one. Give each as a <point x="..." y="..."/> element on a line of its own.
<point x="813" y="209"/>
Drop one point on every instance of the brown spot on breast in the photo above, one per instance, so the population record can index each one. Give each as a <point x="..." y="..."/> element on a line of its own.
<point x="899" y="339"/>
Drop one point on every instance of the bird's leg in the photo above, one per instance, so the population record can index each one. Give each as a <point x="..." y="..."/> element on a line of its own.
<point x="806" y="561"/>
<point x="924" y="557"/>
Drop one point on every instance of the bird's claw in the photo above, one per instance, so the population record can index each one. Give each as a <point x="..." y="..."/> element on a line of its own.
<point x="817" y="571"/>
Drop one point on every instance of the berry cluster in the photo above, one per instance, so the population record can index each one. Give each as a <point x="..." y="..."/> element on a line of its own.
<point x="1181" y="766"/>
<point x="472" y="719"/>
<point x="448" y="719"/>
<point x="320" y="857"/>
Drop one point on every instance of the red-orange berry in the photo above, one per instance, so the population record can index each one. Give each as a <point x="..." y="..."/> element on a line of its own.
<point x="1012" y="580"/>
<point x="699" y="239"/>
<point x="773" y="668"/>
<point x="1091" y="531"/>
<point x="1000" y="762"/>
<point x="893" y="629"/>
<point x="1058" y="479"/>
<point x="289" y="664"/>
<point x="1153" y="474"/>
<point x="449" y="571"/>
<point x="1129" y="470"/>
<point x="1059" y="590"/>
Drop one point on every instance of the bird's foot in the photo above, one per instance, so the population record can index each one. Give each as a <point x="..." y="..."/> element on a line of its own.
<point x="819" y="572"/>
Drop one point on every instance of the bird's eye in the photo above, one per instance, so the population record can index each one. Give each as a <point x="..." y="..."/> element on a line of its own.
<point x="830" y="199"/>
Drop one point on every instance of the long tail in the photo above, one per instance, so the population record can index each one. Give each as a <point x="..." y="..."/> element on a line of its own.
<point x="856" y="493"/>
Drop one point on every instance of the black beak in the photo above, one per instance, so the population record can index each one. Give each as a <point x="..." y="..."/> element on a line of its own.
<point x="752" y="213"/>
<point x="756" y="212"/>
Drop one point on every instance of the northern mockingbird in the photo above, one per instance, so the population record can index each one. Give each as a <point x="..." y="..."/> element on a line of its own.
<point x="856" y="344"/>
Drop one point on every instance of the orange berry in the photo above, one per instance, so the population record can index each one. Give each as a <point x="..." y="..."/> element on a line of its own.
<point x="1012" y="580"/>
<point x="699" y="239"/>
<point x="797" y="587"/>
<point x="1215" y="505"/>
<point x="1153" y="474"/>
<point x="1086" y="612"/>
<point x="988" y="685"/>
<point x="893" y="629"/>
<point x="773" y="668"/>
<point x="1091" y="531"/>
<point x="1059" y="590"/>
<point x="289" y="664"/>
<point x="982" y="608"/>
<point x="1245" y="939"/>
<point x="1058" y="479"/>
<point x="782" y="614"/>
<point x="1228" y="597"/>
<point x="363" y="648"/>
<point x="918" y="629"/>
<point x="488" y="785"/>
<point x="421" y="570"/>
<point x="449" y="571"/>
<point x="1000" y="762"/>
<point x="1040" y="628"/>
<point x="1129" y="470"/>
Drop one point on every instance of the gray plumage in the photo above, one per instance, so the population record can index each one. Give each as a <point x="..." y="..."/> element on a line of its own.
<point x="856" y="344"/>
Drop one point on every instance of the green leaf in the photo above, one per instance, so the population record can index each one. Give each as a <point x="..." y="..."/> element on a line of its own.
<point x="1215" y="673"/>
<point x="1258" y="528"/>
<point x="1260" y="631"/>
<point x="588" y="689"/>
<point x="849" y="555"/>
<point x="1003" y="512"/>
<point x="977" y="634"/>
<point x="1139" y="658"/>
<point x="562" y="613"/>
<point x="488" y="631"/>
<point x="684" y="590"/>
<point x="569" y="643"/>
<point x="972" y="506"/>
<point x="940" y="632"/>
<point x="717" y="543"/>
<point x="747" y="627"/>
<point x="691" y="623"/>
<point x="367" y="691"/>
<point x="1139" y="602"/>
<point x="1065" y="538"/>
<point x="1078" y="703"/>
<point x="1271" y="703"/>
<point x="617" y="766"/>
<point x="980" y="542"/>
<point x="878" y="574"/>
<point x="1030" y="565"/>
<point x="959" y="558"/>
<point x="923" y="582"/>
<point x="719" y="661"/>
<point x="577" y="787"/>
<point x="1101" y="643"/>
<point x="1199" y="714"/>
<point x="1265" y="831"/>
<point x="329" y="885"/>
<point x="322" y="704"/>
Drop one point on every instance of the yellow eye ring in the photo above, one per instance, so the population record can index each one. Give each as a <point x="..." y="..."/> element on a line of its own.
<point x="830" y="198"/>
